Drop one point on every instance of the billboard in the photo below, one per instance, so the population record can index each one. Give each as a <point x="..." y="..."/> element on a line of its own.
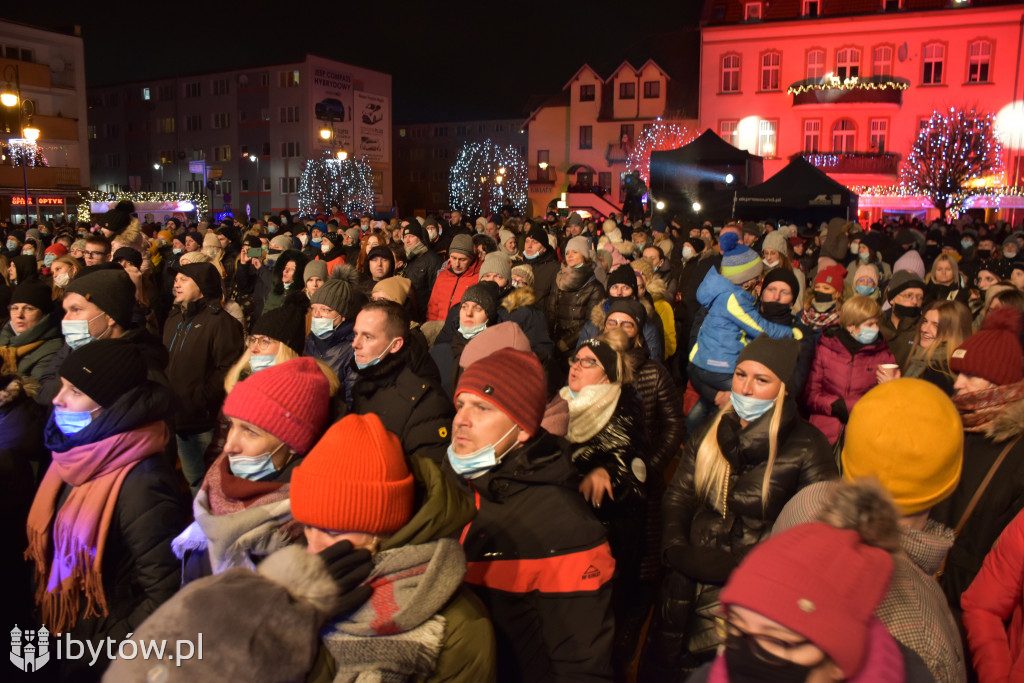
<point x="331" y="94"/>
<point x="371" y="126"/>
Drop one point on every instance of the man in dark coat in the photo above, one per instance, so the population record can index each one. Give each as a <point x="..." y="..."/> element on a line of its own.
<point x="423" y="265"/>
<point x="540" y="256"/>
<point x="398" y="381"/>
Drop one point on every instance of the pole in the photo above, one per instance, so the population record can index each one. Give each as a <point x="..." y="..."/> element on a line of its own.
<point x="259" y="187"/>
<point x="21" y="116"/>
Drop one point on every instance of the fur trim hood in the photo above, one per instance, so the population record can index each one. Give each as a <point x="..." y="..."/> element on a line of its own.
<point x="16" y="388"/>
<point x="519" y="298"/>
<point x="1008" y="424"/>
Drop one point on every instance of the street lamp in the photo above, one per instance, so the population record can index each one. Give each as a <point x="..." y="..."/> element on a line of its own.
<point x="160" y="167"/>
<point x="342" y="155"/>
<point x="259" y="182"/>
<point x="26" y="108"/>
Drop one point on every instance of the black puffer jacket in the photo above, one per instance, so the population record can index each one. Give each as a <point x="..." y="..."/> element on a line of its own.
<point x="620" y="442"/>
<point x="422" y="273"/>
<point x="576" y="292"/>
<point x="545" y="269"/>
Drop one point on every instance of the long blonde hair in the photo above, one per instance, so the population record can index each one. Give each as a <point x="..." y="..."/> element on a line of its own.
<point x="711" y="470"/>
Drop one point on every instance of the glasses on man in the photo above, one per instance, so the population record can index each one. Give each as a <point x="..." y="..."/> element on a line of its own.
<point x="94" y="253"/>
<point x="261" y="343"/>
<point x="624" y="324"/>
<point x="585" y="363"/>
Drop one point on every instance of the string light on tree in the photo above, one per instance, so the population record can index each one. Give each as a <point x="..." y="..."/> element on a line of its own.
<point x="487" y="177"/>
<point x="659" y="136"/>
<point x="198" y="200"/>
<point x="954" y="148"/>
<point x="330" y="180"/>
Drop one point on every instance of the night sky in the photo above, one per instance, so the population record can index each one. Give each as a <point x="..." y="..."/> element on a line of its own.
<point x="450" y="60"/>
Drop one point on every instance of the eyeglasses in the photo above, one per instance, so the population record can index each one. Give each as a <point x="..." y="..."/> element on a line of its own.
<point x="262" y="343"/>
<point x="585" y="363"/>
<point x="625" y="324"/>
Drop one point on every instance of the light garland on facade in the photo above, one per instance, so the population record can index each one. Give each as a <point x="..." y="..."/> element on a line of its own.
<point x="198" y="200"/>
<point x="485" y="177"/>
<point x="659" y="136"/>
<point x="830" y="82"/>
<point x="21" y="151"/>
<point x="330" y="181"/>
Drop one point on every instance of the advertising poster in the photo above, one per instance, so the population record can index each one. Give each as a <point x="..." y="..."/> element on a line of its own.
<point x="372" y="118"/>
<point x="331" y="93"/>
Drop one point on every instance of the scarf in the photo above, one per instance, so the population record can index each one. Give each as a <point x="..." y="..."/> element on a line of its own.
<point x="11" y="355"/>
<point x="815" y="319"/>
<point x="979" y="409"/>
<point x="590" y="411"/>
<point x="95" y="472"/>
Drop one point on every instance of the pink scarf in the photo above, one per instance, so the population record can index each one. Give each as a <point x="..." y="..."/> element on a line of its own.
<point x="95" y="472"/>
<point x="979" y="409"/>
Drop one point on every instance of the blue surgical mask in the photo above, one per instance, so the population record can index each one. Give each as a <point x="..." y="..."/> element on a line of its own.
<point x="71" y="422"/>
<point x="863" y="256"/>
<point x="76" y="332"/>
<point x="368" y="364"/>
<point x="748" y="407"/>
<point x="271" y="228"/>
<point x="322" y="327"/>
<point x="12" y="245"/>
<point x="175" y="251"/>
<point x="315" y="241"/>
<point x="472" y="330"/>
<point x="865" y="290"/>
<point x="866" y="335"/>
<point x="966" y="244"/>
<point x="472" y="465"/>
<point x="28" y="252"/>
<point x="49" y="259"/>
<point x="530" y="258"/>
<point x="261" y="361"/>
<point x="252" y="467"/>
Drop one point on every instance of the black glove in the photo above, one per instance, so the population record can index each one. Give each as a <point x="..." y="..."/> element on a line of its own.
<point x="349" y="568"/>
<point x="707" y="565"/>
<point x="839" y="410"/>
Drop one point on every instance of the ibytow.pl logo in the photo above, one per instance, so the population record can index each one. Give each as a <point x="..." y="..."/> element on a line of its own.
<point x="31" y="650"/>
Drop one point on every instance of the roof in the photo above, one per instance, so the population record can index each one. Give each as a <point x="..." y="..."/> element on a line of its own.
<point x="799" y="184"/>
<point x="724" y="12"/>
<point x="706" y="149"/>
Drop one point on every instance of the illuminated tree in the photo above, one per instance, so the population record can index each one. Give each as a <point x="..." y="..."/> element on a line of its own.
<point x="659" y="136"/>
<point x="487" y="177"/>
<point x="952" y="149"/>
<point x="328" y="181"/>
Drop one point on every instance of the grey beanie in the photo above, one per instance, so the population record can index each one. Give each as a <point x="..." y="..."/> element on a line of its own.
<point x="580" y="245"/>
<point x="335" y="294"/>
<point x="462" y="244"/>
<point x="775" y="240"/>
<point x="315" y="269"/>
<point x="497" y="262"/>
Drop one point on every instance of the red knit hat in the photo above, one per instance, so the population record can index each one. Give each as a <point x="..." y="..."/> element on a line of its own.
<point x="354" y="479"/>
<point x="994" y="352"/>
<point x="833" y="276"/>
<point x="819" y="581"/>
<point x="511" y="380"/>
<point x="290" y="401"/>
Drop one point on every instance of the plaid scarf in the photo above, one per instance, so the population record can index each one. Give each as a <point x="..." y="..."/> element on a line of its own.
<point x="817" y="320"/>
<point x="979" y="409"/>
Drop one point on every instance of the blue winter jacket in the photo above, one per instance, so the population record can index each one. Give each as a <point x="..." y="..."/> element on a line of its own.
<point x="732" y="322"/>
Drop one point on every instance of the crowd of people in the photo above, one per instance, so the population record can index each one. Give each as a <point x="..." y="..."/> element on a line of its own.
<point x="513" y="449"/>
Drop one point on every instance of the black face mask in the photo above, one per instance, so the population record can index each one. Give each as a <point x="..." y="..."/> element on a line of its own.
<point x="745" y="660"/>
<point x="906" y="312"/>
<point x="983" y="253"/>
<point x="776" y="312"/>
<point x="822" y="297"/>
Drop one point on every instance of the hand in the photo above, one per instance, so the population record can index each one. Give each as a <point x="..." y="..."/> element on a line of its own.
<point x="722" y="398"/>
<point x="881" y="376"/>
<point x="256" y="263"/>
<point x="840" y="411"/>
<point x="349" y="568"/>
<point x="595" y="485"/>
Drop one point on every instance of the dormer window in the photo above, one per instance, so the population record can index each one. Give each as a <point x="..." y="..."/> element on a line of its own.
<point x="752" y="11"/>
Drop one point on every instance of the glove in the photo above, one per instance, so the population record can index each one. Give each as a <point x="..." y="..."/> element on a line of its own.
<point x="707" y="565"/>
<point x="349" y="568"/>
<point x="839" y="410"/>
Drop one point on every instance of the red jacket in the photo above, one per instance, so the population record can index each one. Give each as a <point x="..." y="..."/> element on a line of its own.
<point x="449" y="288"/>
<point x="995" y="598"/>
<point x="839" y="373"/>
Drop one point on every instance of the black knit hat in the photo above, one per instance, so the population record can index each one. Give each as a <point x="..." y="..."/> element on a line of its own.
<point x="206" y="278"/>
<point x="623" y="275"/>
<point x="782" y="275"/>
<point x="116" y="220"/>
<point x="537" y="233"/>
<point x="634" y="309"/>
<point x="34" y="293"/>
<point x="105" y="370"/>
<point x="608" y="357"/>
<point x="128" y="254"/>
<point x="413" y="228"/>
<point x="382" y="251"/>
<point x="485" y="294"/>
<point x="110" y="289"/>
<point x="286" y="324"/>
<point x="778" y="355"/>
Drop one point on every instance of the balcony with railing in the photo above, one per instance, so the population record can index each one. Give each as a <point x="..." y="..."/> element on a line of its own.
<point x="831" y="89"/>
<point x="878" y="163"/>
<point x="44" y="177"/>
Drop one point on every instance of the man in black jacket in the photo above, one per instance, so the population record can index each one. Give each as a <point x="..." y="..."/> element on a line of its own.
<point x="204" y="341"/>
<point x="536" y="554"/>
<point x="423" y="265"/>
<point x="398" y="381"/>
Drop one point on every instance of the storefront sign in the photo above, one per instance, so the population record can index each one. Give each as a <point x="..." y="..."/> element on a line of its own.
<point x="38" y="201"/>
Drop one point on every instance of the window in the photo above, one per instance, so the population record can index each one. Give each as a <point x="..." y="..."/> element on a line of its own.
<point x="731" y="73"/>
<point x="979" y="56"/>
<point x="879" y="130"/>
<point x="752" y="11"/>
<point x="767" y="132"/>
<point x="440" y="131"/>
<point x="844" y="136"/>
<point x="265" y="182"/>
<point x="586" y="137"/>
<point x="193" y="122"/>
<point x="890" y="5"/>
<point x="587" y="92"/>
<point x="110" y="99"/>
<point x="815" y="63"/>
<point x="194" y="185"/>
<point x="166" y="156"/>
<point x="265" y="114"/>
<point x="627" y="130"/>
<point x="604" y="179"/>
<point x="222" y="120"/>
<point x="652" y="90"/>
<point x="222" y="187"/>
<point x="222" y="153"/>
<point x="245" y="184"/>
<point x="219" y="86"/>
<point x="194" y="89"/>
<point x="197" y="155"/>
<point x="730" y="132"/>
<point x="289" y="185"/>
<point x="812" y="136"/>
<point x="882" y="62"/>
<point x="290" y="149"/>
<point x="165" y="125"/>
<point x="439" y="153"/>
<point x="934" y="55"/>
<point x="111" y="130"/>
<point x="169" y="186"/>
<point x="459" y="130"/>
<point x="289" y="114"/>
<point x="627" y="90"/>
<point x="287" y="79"/>
<point x="166" y="93"/>
<point x="543" y="157"/>
<point x="848" y="63"/>
<point x="770" y="67"/>
<point x="146" y="94"/>
<point x="811" y="8"/>
<point x="92" y="132"/>
<point x="265" y="82"/>
<point x="266" y="150"/>
<point x="113" y="160"/>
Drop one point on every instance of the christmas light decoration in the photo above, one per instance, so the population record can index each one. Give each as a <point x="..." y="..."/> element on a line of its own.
<point x="327" y="181"/>
<point x="953" y="148"/>
<point x="23" y="151"/>
<point x="197" y="200"/>
<point x="487" y="177"/>
<point x="660" y="135"/>
<point x="830" y="82"/>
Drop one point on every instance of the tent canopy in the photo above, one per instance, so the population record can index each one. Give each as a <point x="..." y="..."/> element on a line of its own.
<point x="707" y="149"/>
<point x="799" y="189"/>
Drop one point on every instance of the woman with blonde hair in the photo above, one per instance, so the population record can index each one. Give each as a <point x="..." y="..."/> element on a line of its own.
<point x="944" y="326"/>
<point x="944" y="281"/>
<point x="736" y="475"/>
<point x="64" y="269"/>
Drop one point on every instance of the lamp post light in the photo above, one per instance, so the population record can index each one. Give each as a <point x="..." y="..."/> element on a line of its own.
<point x="26" y="108"/>
<point x="160" y="167"/>
<point x="259" y="183"/>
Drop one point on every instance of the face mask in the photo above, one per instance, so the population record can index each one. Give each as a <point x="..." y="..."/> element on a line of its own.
<point x="745" y="660"/>
<point x="474" y="464"/>
<point x="1009" y="255"/>
<point x="748" y="407"/>
<point x="472" y="330"/>
<point x="261" y="361"/>
<point x="175" y="251"/>
<point x="906" y="311"/>
<point x="854" y="249"/>
<point x="49" y="259"/>
<point x="966" y="244"/>
<point x="863" y="256"/>
<point x="530" y="258"/>
<point x="272" y="229"/>
<point x="984" y="253"/>
<point x="325" y="247"/>
<point x="769" y="264"/>
<point x="28" y="252"/>
<point x="253" y="467"/>
<point x="12" y="245"/>
<point x="76" y="332"/>
<point x="62" y="280"/>
<point x="431" y="234"/>
<point x="303" y="240"/>
<point x="776" y="311"/>
<point x="688" y="252"/>
<point x="865" y="290"/>
<point x="866" y="335"/>
<point x="322" y="327"/>
<point x="315" y="242"/>
<point x="823" y="297"/>
<point x="71" y="422"/>
<point x="363" y="366"/>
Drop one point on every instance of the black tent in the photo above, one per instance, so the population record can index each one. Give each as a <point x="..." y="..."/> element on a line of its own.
<point x="799" y="193"/>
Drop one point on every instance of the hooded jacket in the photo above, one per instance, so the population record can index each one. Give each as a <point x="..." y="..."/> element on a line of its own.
<point x="899" y="339"/>
<point x="422" y="271"/>
<point x="336" y="351"/>
<point x="449" y="288"/>
<point x="576" y="293"/>
<point x="545" y="269"/>
<point x="653" y="338"/>
<point x="520" y="306"/>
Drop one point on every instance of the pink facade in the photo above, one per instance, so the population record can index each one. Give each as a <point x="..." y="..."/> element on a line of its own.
<point x="852" y="90"/>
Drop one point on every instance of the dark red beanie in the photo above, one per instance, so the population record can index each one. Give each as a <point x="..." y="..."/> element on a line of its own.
<point x="511" y="380"/>
<point x="994" y="352"/>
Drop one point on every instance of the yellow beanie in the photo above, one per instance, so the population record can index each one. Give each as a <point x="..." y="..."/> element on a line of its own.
<point x="906" y="434"/>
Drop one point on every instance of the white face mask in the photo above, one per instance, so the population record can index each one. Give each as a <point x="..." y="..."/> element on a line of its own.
<point x="688" y="252"/>
<point x="304" y="239"/>
<point x="325" y="247"/>
<point x="61" y="280"/>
